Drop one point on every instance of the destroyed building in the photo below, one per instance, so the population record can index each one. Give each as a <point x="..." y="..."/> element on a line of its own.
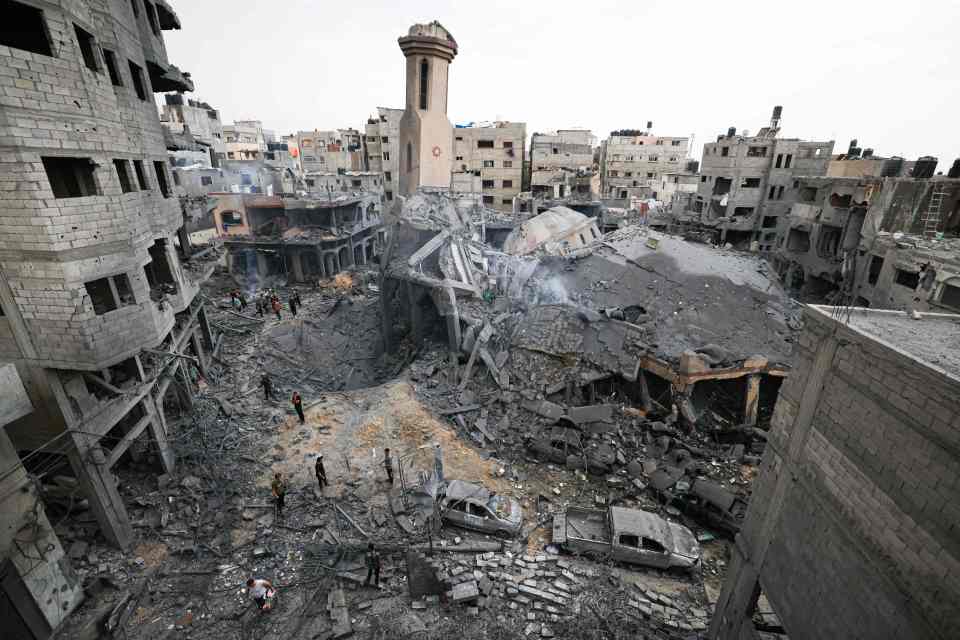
<point x="246" y="140"/>
<point x="298" y="239"/>
<point x="632" y="162"/>
<point x="557" y="230"/>
<point x="182" y="114"/>
<point x="864" y="163"/>
<point x="852" y="527"/>
<point x="330" y="151"/>
<point x="746" y="183"/>
<point x="381" y="146"/>
<point x="870" y="241"/>
<point x="98" y="288"/>
<point x="322" y="183"/>
<point x="563" y="173"/>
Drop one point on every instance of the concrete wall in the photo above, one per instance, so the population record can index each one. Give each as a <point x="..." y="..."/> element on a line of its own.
<point x="852" y="526"/>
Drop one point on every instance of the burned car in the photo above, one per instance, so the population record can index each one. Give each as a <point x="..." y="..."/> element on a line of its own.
<point x="473" y="506"/>
<point x="711" y="505"/>
<point x="564" y="445"/>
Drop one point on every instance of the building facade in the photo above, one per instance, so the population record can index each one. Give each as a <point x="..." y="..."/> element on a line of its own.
<point x="494" y="154"/>
<point x="181" y="113"/>
<point x="381" y="143"/>
<point x="330" y="151"/>
<point x="245" y="140"/>
<point x="633" y="162"/>
<point x="561" y="164"/>
<point x="96" y="261"/>
<point x="746" y="182"/>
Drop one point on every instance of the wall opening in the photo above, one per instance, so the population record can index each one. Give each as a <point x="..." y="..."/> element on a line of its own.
<point x="70" y="177"/>
<point x="88" y="47"/>
<point x="876" y="266"/>
<point x="24" y="28"/>
<point x="158" y="271"/>
<point x="424" y="83"/>
<point x="161" y="170"/>
<point x="139" y="83"/>
<point x="101" y="296"/>
<point x="110" y="58"/>
<point x="769" y="222"/>
<point x="950" y="297"/>
<point x="798" y="240"/>
<point x="125" y="184"/>
<point x="141" y="175"/>
<point x="908" y="279"/>
<point x="828" y="241"/>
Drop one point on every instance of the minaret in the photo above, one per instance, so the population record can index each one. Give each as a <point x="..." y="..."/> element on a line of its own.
<point x="426" y="137"/>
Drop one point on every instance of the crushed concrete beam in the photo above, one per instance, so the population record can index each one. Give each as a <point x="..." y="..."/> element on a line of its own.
<point x="545" y="408"/>
<point x="432" y="245"/>
<point x="593" y="413"/>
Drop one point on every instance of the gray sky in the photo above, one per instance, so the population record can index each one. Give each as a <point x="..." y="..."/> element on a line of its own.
<point x="887" y="75"/>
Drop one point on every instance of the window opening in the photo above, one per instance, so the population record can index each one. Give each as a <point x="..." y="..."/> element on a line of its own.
<point x="101" y="295"/>
<point x="139" y="84"/>
<point x="161" y="171"/>
<point x="24" y="28"/>
<point x="424" y="80"/>
<point x="110" y="58"/>
<point x="125" y="184"/>
<point x="87" y="47"/>
<point x="141" y="175"/>
<point x="70" y="177"/>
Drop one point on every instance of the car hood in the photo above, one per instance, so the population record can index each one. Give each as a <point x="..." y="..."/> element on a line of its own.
<point x="684" y="542"/>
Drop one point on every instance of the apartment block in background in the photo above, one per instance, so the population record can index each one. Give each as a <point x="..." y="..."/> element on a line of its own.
<point x="561" y="164"/>
<point x="98" y="291"/>
<point x="492" y="153"/>
<point x="632" y="163"/>
<point x="181" y="115"/>
<point x="746" y="182"/>
<point x="330" y="151"/>
<point x="381" y="143"/>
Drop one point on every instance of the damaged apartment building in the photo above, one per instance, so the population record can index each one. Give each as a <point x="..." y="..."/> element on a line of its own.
<point x="99" y="310"/>
<point x="197" y="121"/>
<point x="879" y="242"/>
<point x="381" y="145"/>
<point x="632" y="163"/>
<point x="563" y="172"/>
<point x="298" y="238"/>
<point x="334" y="151"/>
<point x="488" y="159"/>
<point x="746" y="183"/>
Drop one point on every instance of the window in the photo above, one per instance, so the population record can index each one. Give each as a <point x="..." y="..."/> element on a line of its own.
<point x="488" y="164"/>
<point x="206" y="181"/>
<point x="508" y="164"/>
<point x="409" y="157"/>
<point x="950" y="296"/>
<point x="176" y="178"/>
<point x="141" y="175"/>
<point x="780" y="192"/>
<point x="673" y="158"/>
<point x="652" y="158"/>
<point x="703" y="178"/>
<point x="387" y="176"/>
<point x="459" y="138"/>
<point x="907" y="278"/>
<point x="629" y="540"/>
<point x="506" y="201"/>
<point x="876" y="266"/>
<point x="659" y="142"/>
<point x="111" y="59"/>
<point x="756" y="152"/>
<point x="779" y="160"/>
<point x="161" y="170"/>
<point x="125" y="184"/>
<point x="245" y="179"/>
<point x="614" y="174"/>
<point x="508" y="184"/>
<point x="676" y="143"/>
<point x="508" y="144"/>
<point x="487" y="199"/>
<point x="773" y="191"/>
<point x="152" y="18"/>
<point x="650" y="174"/>
<point x="424" y="81"/>
<point x="139" y="84"/>
<point x="389" y="195"/>
<point x="648" y="544"/>
<point x="787" y="161"/>
<point x="484" y="144"/>
<point x="459" y="157"/>
<point x="101" y="295"/>
<point x="487" y="184"/>
<point x="386" y="155"/>
<point x="70" y="177"/>
<point x="124" y="290"/>
<point x="87" y="48"/>
<point x="24" y="28"/>
<point x="355" y="183"/>
<point x="750" y="183"/>
<point x="724" y="151"/>
<point x="384" y="139"/>
<point x="769" y="221"/>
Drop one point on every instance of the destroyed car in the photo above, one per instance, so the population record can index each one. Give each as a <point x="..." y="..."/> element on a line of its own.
<point x="473" y="506"/>
<point x="713" y="506"/>
<point x="565" y="446"/>
<point x="628" y="535"/>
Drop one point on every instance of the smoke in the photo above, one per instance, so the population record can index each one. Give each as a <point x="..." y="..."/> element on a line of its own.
<point x="551" y="291"/>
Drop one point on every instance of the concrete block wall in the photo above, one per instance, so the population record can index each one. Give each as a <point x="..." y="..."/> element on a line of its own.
<point x="865" y="540"/>
<point x="49" y="247"/>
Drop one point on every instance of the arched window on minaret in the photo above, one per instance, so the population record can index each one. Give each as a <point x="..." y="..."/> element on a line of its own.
<point x="409" y="157"/>
<point x="424" y="82"/>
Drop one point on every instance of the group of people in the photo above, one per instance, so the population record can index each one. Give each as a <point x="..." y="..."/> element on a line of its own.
<point x="270" y="301"/>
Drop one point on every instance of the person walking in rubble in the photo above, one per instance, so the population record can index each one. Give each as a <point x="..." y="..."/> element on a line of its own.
<point x="296" y="296"/>
<point x="261" y="591"/>
<point x="267" y="386"/>
<point x="321" y="473"/>
<point x="279" y="490"/>
<point x="388" y="464"/>
<point x="298" y="405"/>
<point x="293" y="305"/>
<point x="372" y="560"/>
<point x="259" y="307"/>
<point x="276" y="307"/>
<point x="243" y="300"/>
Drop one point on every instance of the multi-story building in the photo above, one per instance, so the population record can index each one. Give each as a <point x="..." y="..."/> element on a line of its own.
<point x="561" y="164"/>
<point x="632" y="163"/>
<point x="746" y="182"/>
<point x="98" y="290"/>
<point x="864" y="163"/>
<point x="182" y="114"/>
<point x="348" y="181"/>
<point x="837" y="243"/>
<point x="382" y="148"/>
<point x="493" y="153"/>
<point x="330" y="151"/>
<point x="245" y="140"/>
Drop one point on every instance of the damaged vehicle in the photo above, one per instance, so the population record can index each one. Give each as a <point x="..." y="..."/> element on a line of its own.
<point x="564" y="445"/>
<point x="711" y="505"/>
<point x="473" y="506"/>
<point x="627" y="535"/>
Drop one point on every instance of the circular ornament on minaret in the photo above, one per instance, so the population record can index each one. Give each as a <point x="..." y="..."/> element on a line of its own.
<point x="436" y="152"/>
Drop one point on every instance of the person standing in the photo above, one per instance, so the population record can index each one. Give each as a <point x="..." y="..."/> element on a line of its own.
<point x="296" y="296"/>
<point x="279" y="490"/>
<point x="259" y="307"/>
<point x="267" y="386"/>
<point x="298" y="405"/>
<point x="373" y="563"/>
<point x="388" y="465"/>
<point x="293" y="306"/>
<point x="276" y="307"/>
<point x="321" y="473"/>
<point x="261" y="590"/>
<point x="243" y="300"/>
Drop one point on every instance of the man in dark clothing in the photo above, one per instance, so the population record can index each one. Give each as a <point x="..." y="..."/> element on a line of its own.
<point x="388" y="465"/>
<point x="267" y="386"/>
<point x="296" y="296"/>
<point x="293" y="306"/>
<point x="321" y="473"/>
<point x="372" y="560"/>
<point x="259" y="307"/>
<point x="298" y="405"/>
<point x="243" y="301"/>
<point x="279" y="490"/>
